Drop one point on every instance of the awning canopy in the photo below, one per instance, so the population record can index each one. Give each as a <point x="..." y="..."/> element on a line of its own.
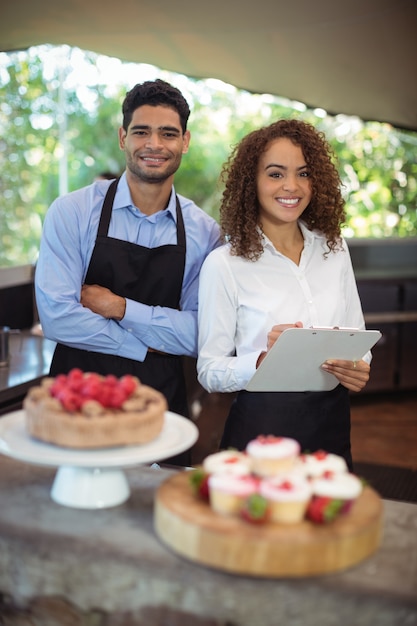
<point x="357" y="57"/>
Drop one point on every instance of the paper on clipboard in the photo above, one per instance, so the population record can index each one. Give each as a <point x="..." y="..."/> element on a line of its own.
<point x="294" y="361"/>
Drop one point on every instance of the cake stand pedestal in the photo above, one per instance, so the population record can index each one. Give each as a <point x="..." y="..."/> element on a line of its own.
<point x="84" y="487"/>
<point x="93" y="479"/>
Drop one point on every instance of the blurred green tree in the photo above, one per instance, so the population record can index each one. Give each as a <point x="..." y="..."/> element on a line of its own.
<point x="57" y="135"/>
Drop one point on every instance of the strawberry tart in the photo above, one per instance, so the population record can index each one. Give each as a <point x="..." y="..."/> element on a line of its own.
<point x="86" y="410"/>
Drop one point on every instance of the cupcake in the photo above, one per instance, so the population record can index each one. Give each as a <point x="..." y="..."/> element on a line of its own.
<point x="228" y="492"/>
<point x="227" y="462"/>
<point x="343" y="488"/>
<point x="272" y="455"/>
<point x="318" y="463"/>
<point x="288" y="497"/>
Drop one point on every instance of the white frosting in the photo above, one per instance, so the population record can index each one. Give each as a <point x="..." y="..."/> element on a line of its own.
<point x="227" y="462"/>
<point x="317" y="463"/>
<point x="286" y="488"/>
<point x="273" y="447"/>
<point x="343" y="486"/>
<point x="234" y="485"/>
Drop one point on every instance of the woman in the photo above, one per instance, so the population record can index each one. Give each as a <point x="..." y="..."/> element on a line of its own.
<point x="284" y="265"/>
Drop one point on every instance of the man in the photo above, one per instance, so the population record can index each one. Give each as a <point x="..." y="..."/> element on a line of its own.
<point x="117" y="276"/>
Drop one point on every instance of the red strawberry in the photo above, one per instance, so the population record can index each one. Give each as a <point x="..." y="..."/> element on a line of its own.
<point x="199" y="483"/>
<point x="110" y="380"/>
<point x="128" y="383"/>
<point x="320" y="455"/>
<point x="322" y="510"/>
<point x="91" y="388"/>
<point x="69" y="400"/>
<point x="118" y="396"/>
<point x="58" y="385"/>
<point x="75" y="379"/>
<point x="105" y="396"/>
<point x="61" y="379"/>
<point x="92" y="377"/>
<point x="255" y="509"/>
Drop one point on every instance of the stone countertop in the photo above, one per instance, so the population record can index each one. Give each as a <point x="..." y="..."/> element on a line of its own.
<point x="112" y="560"/>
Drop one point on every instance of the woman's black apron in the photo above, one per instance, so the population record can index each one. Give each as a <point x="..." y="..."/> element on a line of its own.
<point x="318" y="420"/>
<point x="152" y="276"/>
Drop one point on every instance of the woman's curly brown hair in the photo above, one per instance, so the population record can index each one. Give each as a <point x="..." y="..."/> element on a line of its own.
<point x="239" y="209"/>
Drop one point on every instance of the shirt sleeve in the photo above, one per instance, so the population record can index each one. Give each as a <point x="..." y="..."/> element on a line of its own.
<point x="60" y="271"/>
<point x="218" y="366"/>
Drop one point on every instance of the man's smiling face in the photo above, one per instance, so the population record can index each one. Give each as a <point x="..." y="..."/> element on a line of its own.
<point x="154" y="143"/>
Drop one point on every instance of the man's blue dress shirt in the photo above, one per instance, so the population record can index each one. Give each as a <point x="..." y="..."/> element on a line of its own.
<point x="67" y="244"/>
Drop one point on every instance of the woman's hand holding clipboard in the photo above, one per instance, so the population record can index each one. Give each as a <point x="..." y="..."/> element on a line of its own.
<point x="301" y="359"/>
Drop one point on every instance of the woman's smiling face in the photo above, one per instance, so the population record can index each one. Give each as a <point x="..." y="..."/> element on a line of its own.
<point x="283" y="183"/>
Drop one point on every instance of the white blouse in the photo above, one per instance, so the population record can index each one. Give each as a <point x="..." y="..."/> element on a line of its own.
<point x="240" y="301"/>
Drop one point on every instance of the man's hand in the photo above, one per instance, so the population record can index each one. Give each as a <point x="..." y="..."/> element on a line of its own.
<point x="102" y="301"/>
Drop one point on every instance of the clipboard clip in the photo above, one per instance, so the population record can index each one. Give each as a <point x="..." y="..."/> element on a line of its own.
<point x="332" y="328"/>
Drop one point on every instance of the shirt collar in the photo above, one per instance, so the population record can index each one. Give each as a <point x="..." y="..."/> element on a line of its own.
<point x="308" y="236"/>
<point x="123" y="200"/>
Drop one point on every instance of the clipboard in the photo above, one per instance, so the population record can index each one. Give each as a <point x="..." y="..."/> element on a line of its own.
<point x="294" y="361"/>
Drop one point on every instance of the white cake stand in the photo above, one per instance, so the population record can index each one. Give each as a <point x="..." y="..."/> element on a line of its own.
<point x="93" y="479"/>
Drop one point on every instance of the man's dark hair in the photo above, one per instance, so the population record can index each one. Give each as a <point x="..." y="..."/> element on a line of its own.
<point x="155" y="93"/>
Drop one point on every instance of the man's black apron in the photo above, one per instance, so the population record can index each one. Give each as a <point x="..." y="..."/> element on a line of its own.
<point x="318" y="420"/>
<point x="152" y="276"/>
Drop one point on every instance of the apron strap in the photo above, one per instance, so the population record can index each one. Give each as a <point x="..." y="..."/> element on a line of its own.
<point x="181" y="239"/>
<point x="103" y="227"/>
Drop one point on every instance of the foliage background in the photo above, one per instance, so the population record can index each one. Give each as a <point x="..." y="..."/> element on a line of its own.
<point x="59" y="115"/>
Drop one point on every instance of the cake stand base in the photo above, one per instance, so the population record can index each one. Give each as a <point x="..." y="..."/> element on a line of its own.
<point x="93" y="479"/>
<point x="90" y="488"/>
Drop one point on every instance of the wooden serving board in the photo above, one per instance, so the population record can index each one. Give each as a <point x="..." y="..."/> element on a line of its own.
<point x="189" y="527"/>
